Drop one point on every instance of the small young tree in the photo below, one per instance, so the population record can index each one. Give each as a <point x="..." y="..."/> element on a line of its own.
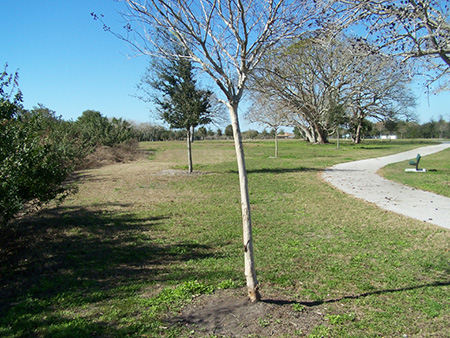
<point x="182" y="104"/>
<point x="202" y="132"/>
<point x="229" y="131"/>
<point x="227" y="39"/>
<point x="336" y="119"/>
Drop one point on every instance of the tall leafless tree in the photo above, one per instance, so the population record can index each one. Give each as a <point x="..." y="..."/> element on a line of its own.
<point x="313" y="77"/>
<point x="290" y="76"/>
<point x="228" y="39"/>
<point x="379" y="87"/>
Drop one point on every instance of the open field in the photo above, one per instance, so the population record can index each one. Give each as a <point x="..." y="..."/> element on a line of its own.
<point x="143" y="249"/>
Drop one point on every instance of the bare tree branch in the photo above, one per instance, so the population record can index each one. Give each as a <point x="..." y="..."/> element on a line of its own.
<point x="414" y="29"/>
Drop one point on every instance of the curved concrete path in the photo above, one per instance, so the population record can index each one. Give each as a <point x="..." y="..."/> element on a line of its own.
<point x="359" y="179"/>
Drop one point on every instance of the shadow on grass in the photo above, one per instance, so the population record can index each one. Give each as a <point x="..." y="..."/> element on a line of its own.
<point x="83" y="176"/>
<point x="277" y="170"/>
<point x="362" y="295"/>
<point x="372" y="148"/>
<point x="77" y="256"/>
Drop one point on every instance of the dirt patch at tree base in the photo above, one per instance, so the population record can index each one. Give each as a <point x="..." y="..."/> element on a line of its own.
<point x="229" y="313"/>
<point x="177" y="172"/>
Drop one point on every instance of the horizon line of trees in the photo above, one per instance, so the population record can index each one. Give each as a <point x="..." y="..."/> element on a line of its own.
<point x="403" y="129"/>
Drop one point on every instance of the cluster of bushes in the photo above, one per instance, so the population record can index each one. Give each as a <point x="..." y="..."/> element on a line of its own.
<point x="39" y="150"/>
<point x="92" y="129"/>
<point x="100" y="140"/>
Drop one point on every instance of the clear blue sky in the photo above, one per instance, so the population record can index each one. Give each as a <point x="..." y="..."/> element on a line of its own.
<point x="68" y="63"/>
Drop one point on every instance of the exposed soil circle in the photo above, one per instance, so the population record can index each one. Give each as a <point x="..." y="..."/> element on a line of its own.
<point x="229" y="313"/>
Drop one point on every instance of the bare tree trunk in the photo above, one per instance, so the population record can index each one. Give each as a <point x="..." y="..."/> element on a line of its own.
<point x="320" y="138"/>
<point x="321" y="133"/>
<point x="357" y="138"/>
<point x="276" y="143"/>
<point x="339" y="136"/>
<point x="189" y="146"/>
<point x="307" y="133"/>
<point x="250" y="271"/>
<point x="313" y="135"/>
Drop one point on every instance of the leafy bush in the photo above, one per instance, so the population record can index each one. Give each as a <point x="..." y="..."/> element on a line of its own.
<point x="34" y="159"/>
<point x="101" y="141"/>
<point x="94" y="130"/>
<point x="39" y="150"/>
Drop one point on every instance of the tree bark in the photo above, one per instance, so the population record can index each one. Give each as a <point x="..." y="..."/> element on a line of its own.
<point x="189" y="146"/>
<point x="321" y="138"/>
<point x="306" y="133"/>
<point x="312" y="135"/>
<point x="321" y="134"/>
<point x="276" y="143"/>
<point x="338" y="136"/>
<point x="357" y="138"/>
<point x="250" y="271"/>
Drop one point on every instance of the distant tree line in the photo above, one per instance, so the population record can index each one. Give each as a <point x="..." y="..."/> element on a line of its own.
<point x="411" y="129"/>
<point x="402" y="129"/>
<point x="148" y="132"/>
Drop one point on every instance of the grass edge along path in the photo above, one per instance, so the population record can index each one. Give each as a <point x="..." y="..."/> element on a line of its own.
<point x="436" y="179"/>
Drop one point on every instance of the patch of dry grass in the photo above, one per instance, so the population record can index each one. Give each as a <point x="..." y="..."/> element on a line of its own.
<point x="105" y="155"/>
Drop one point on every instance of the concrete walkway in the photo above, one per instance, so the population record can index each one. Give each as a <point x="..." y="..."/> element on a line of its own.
<point x="359" y="179"/>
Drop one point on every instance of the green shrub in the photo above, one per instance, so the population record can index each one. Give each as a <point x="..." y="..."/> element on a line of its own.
<point x="93" y="130"/>
<point x="39" y="150"/>
<point x="34" y="160"/>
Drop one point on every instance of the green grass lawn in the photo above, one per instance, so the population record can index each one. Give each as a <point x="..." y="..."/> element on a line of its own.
<point x="436" y="179"/>
<point x="134" y="246"/>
